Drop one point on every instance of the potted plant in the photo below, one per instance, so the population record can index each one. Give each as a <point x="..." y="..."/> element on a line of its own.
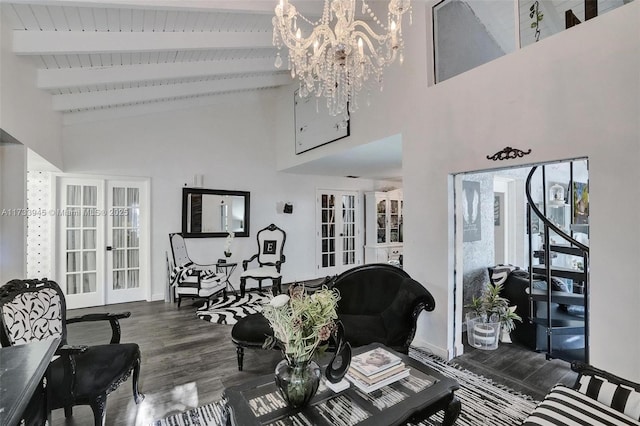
<point x="490" y="317"/>
<point x="302" y="324"/>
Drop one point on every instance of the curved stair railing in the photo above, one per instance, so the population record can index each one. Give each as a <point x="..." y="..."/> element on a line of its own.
<point x="554" y="326"/>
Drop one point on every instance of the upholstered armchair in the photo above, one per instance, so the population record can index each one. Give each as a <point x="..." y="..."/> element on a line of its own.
<point x="193" y="280"/>
<point x="32" y="310"/>
<point x="381" y="303"/>
<point x="270" y="258"/>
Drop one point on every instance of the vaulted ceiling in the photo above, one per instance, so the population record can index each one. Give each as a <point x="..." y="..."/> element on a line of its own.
<point x="94" y="55"/>
<point x="100" y="58"/>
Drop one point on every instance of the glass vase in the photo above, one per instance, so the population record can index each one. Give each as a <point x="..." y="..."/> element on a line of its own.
<point x="297" y="381"/>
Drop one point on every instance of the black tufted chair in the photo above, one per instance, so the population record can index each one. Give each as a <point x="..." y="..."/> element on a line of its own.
<point x="381" y="303"/>
<point x="32" y="310"/>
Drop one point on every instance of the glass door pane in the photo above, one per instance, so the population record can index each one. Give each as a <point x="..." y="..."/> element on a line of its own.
<point x="126" y="236"/>
<point x="81" y="224"/>
<point x="339" y="244"/>
<point x="328" y="226"/>
<point x="125" y="225"/>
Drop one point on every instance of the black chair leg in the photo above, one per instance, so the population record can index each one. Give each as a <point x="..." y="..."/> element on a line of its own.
<point x="276" y="284"/>
<point x="179" y="300"/>
<point x="137" y="395"/>
<point x="99" y="410"/>
<point x="243" y="286"/>
<point x="240" y="353"/>
<point x="68" y="411"/>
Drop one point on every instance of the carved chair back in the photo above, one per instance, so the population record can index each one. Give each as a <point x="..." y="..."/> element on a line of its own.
<point x="179" y="250"/>
<point x="31" y="310"/>
<point x="271" y="245"/>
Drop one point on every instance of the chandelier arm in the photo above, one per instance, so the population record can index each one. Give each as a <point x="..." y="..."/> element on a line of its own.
<point x="367" y="31"/>
<point x="292" y="42"/>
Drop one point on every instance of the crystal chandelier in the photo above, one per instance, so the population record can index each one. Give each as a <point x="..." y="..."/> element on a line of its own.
<point x="337" y="62"/>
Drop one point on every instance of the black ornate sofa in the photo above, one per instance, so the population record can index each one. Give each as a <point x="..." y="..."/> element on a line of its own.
<point x="378" y="303"/>
<point x="381" y="303"/>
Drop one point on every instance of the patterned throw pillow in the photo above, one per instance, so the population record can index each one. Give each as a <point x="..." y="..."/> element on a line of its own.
<point x="621" y="398"/>
<point x="499" y="273"/>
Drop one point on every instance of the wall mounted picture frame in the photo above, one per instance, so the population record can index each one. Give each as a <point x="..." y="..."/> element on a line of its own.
<point x="314" y="126"/>
<point x="471" y="208"/>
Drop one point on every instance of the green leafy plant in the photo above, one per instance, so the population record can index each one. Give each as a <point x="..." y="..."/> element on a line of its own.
<point x="494" y="308"/>
<point x="301" y="322"/>
<point x="537" y="16"/>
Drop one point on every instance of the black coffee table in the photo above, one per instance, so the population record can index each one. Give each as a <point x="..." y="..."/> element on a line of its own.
<point x="423" y="393"/>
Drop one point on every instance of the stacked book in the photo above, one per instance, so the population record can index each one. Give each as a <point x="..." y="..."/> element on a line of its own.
<point x="376" y="368"/>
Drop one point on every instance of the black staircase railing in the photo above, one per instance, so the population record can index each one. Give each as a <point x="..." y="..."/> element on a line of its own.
<point x="553" y="323"/>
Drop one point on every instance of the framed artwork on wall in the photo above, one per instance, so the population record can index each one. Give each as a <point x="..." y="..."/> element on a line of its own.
<point x="314" y="126"/>
<point x="471" y="226"/>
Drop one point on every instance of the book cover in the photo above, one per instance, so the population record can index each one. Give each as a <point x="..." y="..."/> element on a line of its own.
<point x="378" y="376"/>
<point x="366" y="388"/>
<point x="374" y="361"/>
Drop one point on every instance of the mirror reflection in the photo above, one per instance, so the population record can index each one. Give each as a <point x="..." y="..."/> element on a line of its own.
<point x="214" y="213"/>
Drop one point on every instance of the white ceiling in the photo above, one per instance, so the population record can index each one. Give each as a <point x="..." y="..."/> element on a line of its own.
<point x="97" y="55"/>
<point x="109" y="58"/>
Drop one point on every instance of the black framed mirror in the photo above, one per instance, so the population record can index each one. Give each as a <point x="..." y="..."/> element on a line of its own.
<point x="214" y="213"/>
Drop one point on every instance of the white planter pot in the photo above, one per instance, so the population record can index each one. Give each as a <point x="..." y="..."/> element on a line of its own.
<point x="483" y="335"/>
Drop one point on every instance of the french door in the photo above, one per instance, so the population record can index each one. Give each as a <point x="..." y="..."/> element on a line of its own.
<point x="103" y="247"/>
<point x="339" y="241"/>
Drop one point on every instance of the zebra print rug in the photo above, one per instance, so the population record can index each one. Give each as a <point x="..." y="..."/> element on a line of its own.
<point x="229" y="311"/>
<point x="484" y="402"/>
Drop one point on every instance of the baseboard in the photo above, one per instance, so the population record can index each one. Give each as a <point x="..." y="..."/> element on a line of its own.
<point x="156" y="297"/>
<point x="433" y="349"/>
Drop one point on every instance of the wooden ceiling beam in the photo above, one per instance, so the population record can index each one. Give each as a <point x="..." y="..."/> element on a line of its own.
<point x="106" y="98"/>
<point x="50" y="79"/>
<point x="85" y="42"/>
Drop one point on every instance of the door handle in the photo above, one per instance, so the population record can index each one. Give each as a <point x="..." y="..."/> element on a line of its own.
<point x="109" y="248"/>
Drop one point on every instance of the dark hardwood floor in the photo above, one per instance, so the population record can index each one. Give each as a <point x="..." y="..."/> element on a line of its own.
<point x="518" y="367"/>
<point x="187" y="362"/>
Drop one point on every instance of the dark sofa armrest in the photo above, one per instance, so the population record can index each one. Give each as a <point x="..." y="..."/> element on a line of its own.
<point x="112" y="318"/>
<point x="424" y="303"/>
<point x="584" y="369"/>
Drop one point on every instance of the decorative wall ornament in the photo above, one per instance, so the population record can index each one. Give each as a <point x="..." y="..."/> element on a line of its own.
<point x="508" y="153"/>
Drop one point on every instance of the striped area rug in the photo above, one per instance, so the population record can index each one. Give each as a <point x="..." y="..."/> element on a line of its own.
<point x="484" y="402"/>
<point x="229" y="311"/>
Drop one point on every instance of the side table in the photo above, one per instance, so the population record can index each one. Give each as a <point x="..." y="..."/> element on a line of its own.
<point x="228" y="267"/>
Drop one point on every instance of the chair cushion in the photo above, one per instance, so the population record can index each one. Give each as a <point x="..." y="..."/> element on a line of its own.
<point x="619" y="397"/>
<point x="205" y="290"/>
<point x="251" y="331"/>
<point x="100" y="369"/>
<point x="565" y="406"/>
<point x="263" y="272"/>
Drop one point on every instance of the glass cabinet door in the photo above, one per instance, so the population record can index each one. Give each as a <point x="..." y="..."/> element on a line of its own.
<point x="381" y="220"/>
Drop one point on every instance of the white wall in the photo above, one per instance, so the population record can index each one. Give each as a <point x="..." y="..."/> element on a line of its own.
<point x="572" y="95"/>
<point x="13" y="194"/>
<point x="231" y="144"/>
<point x="25" y="111"/>
<point x="575" y="94"/>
